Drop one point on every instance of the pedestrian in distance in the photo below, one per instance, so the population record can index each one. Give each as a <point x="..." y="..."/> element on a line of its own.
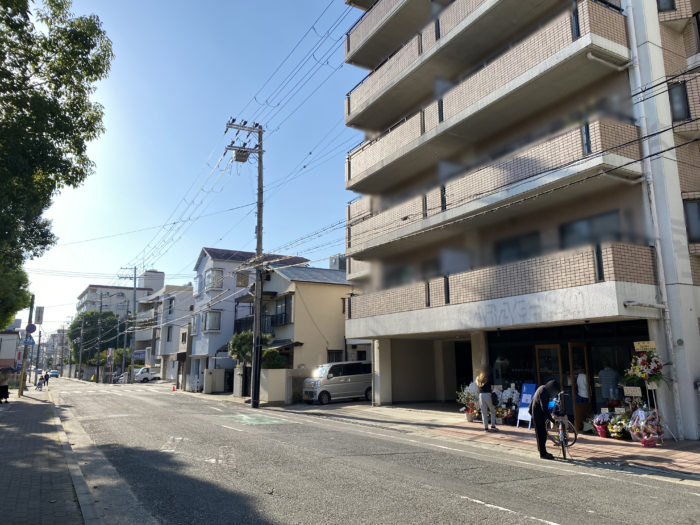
<point x="485" y="383"/>
<point x="4" y="384"/>
<point x="46" y="379"/>
<point x="539" y="410"/>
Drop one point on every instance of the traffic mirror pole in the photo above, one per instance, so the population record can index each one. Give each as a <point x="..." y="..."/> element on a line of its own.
<point x="23" y="374"/>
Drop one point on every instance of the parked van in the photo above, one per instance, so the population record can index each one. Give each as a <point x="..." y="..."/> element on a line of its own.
<point x="147" y="374"/>
<point x="333" y="381"/>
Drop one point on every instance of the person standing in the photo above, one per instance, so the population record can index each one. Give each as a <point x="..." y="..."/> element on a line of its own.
<point x="46" y="379"/>
<point x="485" y="384"/>
<point x="540" y="413"/>
<point x="609" y="379"/>
<point x="4" y="386"/>
<point x="582" y="387"/>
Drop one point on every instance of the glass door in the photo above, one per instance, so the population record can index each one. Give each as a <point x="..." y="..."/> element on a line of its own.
<point x="548" y="359"/>
<point x="580" y="380"/>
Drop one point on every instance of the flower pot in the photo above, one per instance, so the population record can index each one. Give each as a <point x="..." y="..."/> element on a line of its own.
<point x="602" y="430"/>
<point x="470" y="417"/>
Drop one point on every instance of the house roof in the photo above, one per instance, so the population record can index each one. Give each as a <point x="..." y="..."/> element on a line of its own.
<point x="219" y="254"/>
<point x="314" y="275"/>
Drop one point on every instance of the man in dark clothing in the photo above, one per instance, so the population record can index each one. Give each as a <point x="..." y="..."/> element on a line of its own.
<point x="46" y="378"/>
<point x="540" y="414"/>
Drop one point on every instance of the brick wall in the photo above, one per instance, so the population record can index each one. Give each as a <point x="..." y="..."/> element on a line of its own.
<point x="629" y="263"/>
<point x="692" y="83"/>
<point x="603" y="21"/>
<point x="577" y="267"/>
<point x="355" y="267"/>
<point x="609" y="134"/>
<point x="388" y="221"/>
<point x="683" y="10"/>
<point x="674" y="50"/>
<point x="370" y="22"/>
<point x="695" y="269"/>
<point x="455" y="13"/>
<point x="688" y="158"/>
<point x="360" y="208"/>
<point x="690" y="39"/>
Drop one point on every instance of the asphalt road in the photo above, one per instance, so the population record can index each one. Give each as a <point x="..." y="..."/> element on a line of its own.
<point x="151" y="455"/>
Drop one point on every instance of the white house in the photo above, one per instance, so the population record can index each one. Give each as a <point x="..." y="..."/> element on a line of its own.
<point x="222" y="276"/>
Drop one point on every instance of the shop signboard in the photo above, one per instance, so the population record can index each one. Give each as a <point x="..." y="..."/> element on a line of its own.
<point x="644" y="346"/>
<point x="620" y="410"/>
<point x="525" y="398"/>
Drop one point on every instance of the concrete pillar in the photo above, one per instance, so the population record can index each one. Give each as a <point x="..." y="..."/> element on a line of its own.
<point x="445" y="379"/>
<point x="671" y="221"/>
<point x="480" y="354"/>
<point x="381" y="387"/>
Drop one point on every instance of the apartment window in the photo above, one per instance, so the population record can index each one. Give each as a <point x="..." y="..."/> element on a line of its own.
<point x="518" y="248"/>
<point x="334" y="356"/>
<point x="183" y="337"/>
<point x="242" y="280"/>
<point x="692" y="220"/>
<point x="586" y="136"/>
<point x="591" y="230"/>
<point x="200" y="284"/>
<point x="212" y="321"/>
<point x="362" y="355"/>
<point x="666" y="5"/>
<point x="169" y="334"/>
<point x="213" y="278"/>
<point x="678" y="96"/>
<point x="195" y="323"/>
<point x="342" y="302"/>
<point x="171" y="305"/>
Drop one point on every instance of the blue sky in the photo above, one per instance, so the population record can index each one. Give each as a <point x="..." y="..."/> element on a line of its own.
<point x="178" y="74"/>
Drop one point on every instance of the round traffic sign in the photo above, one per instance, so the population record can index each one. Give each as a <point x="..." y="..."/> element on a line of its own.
<point x="31" y="328"/>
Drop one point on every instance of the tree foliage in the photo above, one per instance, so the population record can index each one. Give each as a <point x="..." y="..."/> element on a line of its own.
<point x="90" y="331"/>
<point x="271" y="358"/>
<point x="240" y="346"/>
<point x="14" y="293"/>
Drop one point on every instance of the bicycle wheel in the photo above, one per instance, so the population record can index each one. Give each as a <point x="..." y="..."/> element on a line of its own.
<point x="563" y="439"/>
<point x="553" y="432"/>
<point x="571" y="434"/>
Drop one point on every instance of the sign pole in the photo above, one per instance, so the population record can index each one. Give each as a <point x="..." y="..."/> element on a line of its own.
<point x="23" y="374"/>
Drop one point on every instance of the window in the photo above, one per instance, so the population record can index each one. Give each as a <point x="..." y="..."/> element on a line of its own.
<point x="213" y="278"/>
<point x="518" y="248"/>
<point x="169" y="334"/>
<point x="212" y="321"/>
<point x="362" y="355"/>
<point x="678" y="96"/>
<point x="342" y="302"/>
<point x="242" y="280"/>
<point x="171" y="305"/>
<point x="333" y="357"/>
<point x="692" y="220"/>
<point x="591" y="230"/>
<point x="200" y="284"/>
<point x="183" y="337"/>
<point x="666" y="5"/>
<point x="195" y="323"/>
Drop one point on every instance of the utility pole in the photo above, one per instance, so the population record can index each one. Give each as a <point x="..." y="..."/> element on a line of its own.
<point x="23" y="374"/>
<point x="80" y="357"/>
<point x="241" y="154"/>
<point x="36" y="362"/>
<point x="63" y="334"/>
<point x="99" y="342"/>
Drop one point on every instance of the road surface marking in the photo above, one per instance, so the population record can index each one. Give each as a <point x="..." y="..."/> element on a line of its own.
<point x="232" y="428"/>
<point x="215" y="408"/>
<point x="256" y="419"/>
<point x="509" y="511"/>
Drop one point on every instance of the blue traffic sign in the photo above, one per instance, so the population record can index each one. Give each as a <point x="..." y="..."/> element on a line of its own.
<point x="29" y="340"/>
<point x="30" y="329"/>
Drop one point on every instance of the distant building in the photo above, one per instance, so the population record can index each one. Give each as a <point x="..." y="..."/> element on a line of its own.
<point x="119" y="299"/>
<point x="10" y="348"/>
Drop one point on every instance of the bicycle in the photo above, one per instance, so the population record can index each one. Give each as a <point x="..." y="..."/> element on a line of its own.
<point x="561" y="431"/>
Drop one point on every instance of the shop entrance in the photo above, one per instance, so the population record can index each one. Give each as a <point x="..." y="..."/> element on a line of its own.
<point x="569" y="366"/>
<point x="463" y="363"/>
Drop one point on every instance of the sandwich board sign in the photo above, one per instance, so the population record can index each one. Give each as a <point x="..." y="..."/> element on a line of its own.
<point x="525" y="398"/>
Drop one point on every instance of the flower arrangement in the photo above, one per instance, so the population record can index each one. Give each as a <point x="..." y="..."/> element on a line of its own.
<point x="645" y="427"/>
<point x="469" y="397"/>
<point x="601" y="422"/>
<point x="510" y="397"/>
<point x="617" y="428"/>
<point x="646" y="366"/>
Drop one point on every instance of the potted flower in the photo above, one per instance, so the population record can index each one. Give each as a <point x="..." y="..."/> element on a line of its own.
<point x="617" y="428"/>
<point x="601" y="422"/>
<point x="469" y="397"/>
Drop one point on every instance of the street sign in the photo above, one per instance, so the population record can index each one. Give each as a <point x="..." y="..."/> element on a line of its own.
<point x="39" y="315"/>
<point x="29" y="340"/>
<point x="30" y="329"/>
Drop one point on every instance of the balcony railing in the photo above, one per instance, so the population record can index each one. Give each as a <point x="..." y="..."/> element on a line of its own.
<point x="536" y="51"/>
<point x="268" y="321"/>
<point x="561" y="152"/>
<point x="589" y="265"/>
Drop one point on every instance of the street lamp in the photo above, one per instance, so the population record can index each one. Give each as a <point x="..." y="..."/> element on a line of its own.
<point x="99" y="331"/>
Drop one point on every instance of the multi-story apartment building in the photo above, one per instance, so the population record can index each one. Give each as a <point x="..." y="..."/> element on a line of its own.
<point x="162" y="321"/>
<point x="10" y="348"/>
<point x="58" y="349"/>
<point x="222" y="276"/>
<point x="530" y="183"/>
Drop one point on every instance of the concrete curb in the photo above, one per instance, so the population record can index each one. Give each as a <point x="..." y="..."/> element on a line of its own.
<point x="85" y="499"/>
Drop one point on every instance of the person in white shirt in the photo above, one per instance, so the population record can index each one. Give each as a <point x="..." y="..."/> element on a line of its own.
<point x="582" y="387"/>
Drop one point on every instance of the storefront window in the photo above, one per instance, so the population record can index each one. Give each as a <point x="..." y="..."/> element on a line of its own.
<point x="513" y="365"/>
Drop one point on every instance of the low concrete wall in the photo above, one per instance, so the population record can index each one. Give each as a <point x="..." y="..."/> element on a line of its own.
<point x="273" y="385"/>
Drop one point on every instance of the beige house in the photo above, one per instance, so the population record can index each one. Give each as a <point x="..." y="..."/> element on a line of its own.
<point x="521" y="205"/>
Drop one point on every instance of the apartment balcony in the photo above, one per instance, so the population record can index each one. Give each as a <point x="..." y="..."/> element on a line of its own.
<point x="564" y="57"/>
<point x="480" y="195"/>
<point x="460" y="37"/>
<point x="146" y="314"/>
<point x="589" y="283"/>
<point x="357" y="269"/>
<point x="382" y="29"/>
<point x="269" y="322"/>
<point x="144" y="335"/>
<point x="678" y="17"/>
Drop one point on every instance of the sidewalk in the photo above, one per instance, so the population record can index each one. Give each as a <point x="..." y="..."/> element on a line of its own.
<point x="679" y="460"/>
<point x="35" y="482"/>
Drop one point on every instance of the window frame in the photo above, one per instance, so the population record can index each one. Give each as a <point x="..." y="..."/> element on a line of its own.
<point x="666" y="9"/>
<point x="209" y="280"/>
<point x="681" y="87"/>
<point x="691" y="238"/>
<point x="205" y="321"/>
<point x="521" y="255"/>
<point x="169" y="333"/>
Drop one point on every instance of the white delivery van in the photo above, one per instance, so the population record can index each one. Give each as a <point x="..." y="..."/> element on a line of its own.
<point x="335" y="381"/>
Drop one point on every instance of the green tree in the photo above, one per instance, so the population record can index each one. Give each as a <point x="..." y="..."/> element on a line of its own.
<point x="14" y="293"/>
<point x="50" y="61"/>
<point x="240" y="346"/>
<point x="90" y="330"/>
<point x="271" y="358"/>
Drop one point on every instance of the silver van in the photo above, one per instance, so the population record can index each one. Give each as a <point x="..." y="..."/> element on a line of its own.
<point x="344" y="380"/>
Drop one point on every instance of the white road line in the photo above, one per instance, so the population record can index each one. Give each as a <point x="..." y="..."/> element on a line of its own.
<point x="509" y="511"/>
<point x="215" y="408"/>
<point x="232" y="428"/>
